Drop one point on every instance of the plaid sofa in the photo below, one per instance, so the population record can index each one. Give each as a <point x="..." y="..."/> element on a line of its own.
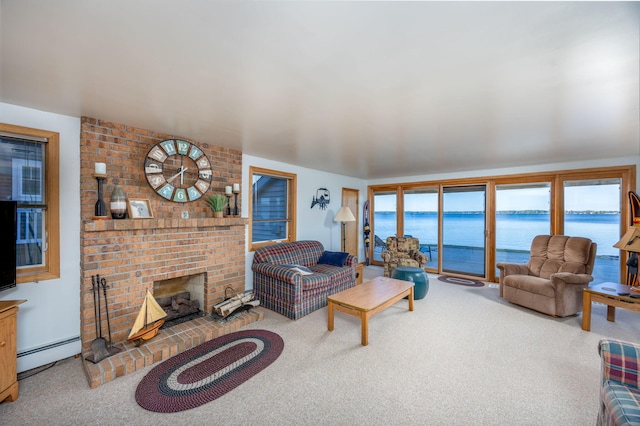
<point x="619" y="393"/>
<point x="289" y="293"/>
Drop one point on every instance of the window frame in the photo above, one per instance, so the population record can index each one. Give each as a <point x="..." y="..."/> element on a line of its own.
<point x="291" y="205"/>
<point x="51" y="252"/>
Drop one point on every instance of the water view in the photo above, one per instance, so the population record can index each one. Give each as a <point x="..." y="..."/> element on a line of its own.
<point x="514" y="232"/>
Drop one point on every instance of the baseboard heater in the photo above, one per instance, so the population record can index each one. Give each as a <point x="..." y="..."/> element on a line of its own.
<point x="49" y="346"/>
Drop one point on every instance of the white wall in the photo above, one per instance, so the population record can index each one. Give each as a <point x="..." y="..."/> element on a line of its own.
<point x="49" y="322"/>
<point x="312" y="223"/>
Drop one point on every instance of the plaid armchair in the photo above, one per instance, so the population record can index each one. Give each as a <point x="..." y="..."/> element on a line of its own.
<point x="402" y="251"/>
<point x="619" y="393"/>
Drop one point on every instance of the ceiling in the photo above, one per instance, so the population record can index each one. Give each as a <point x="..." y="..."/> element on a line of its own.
<point x="364" y="89"/>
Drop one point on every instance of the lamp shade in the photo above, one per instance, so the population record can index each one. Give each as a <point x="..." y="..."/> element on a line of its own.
<point x="630" y="241"/>
<point x="344" y="215"/>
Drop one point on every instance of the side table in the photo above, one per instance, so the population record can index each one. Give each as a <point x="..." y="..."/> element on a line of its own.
<point x="359" y="273"/>
<point x="607" y="294"/>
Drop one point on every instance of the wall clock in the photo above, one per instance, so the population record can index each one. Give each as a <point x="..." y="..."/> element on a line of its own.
<point x="178" y="170"/>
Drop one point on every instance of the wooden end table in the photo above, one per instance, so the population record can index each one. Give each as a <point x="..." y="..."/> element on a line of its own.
<point x="607" y="293"/>
<point x="367" y="299"/>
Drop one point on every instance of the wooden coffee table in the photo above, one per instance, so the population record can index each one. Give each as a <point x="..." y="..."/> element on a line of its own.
<point x="367" y="299"/>
<point x="607" y="293"/>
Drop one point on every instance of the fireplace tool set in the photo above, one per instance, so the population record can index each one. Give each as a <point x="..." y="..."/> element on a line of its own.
<point x="100" y="347"/>
<point x="241" y="301"/>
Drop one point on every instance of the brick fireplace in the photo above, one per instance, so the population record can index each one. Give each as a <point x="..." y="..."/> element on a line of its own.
<point x="133" y="254"/>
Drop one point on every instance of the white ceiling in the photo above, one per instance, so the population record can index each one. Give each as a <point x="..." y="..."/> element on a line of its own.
<point x="364" y="89"/>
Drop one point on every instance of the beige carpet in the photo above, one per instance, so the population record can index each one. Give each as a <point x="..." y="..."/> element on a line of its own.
<point x="463" y="357"/>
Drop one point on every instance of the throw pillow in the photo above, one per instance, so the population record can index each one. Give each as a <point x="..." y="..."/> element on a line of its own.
<point x="302" y="270"/>
<point x="335" y="258"/>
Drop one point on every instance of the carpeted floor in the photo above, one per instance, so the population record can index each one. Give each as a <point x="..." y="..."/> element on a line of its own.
<point x="463" y="357"/>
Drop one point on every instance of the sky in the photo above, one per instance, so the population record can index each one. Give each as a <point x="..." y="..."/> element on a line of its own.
<point x="595" y="197"/>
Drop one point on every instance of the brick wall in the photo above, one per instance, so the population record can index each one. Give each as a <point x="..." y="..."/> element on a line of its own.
<point x="133" y="253"/>
<point x="123" y="149"/>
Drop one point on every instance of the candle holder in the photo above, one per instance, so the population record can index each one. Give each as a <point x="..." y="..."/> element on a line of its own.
<point x="100" y="208"/>
<point x="228" y="204"/>
<point x="235" y="209"/>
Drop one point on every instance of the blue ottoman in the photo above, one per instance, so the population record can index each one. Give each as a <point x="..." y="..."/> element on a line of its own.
<point x="417" y="276"/>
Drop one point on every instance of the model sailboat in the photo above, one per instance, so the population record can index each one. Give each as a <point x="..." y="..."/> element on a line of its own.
<point x="149" y="320"/>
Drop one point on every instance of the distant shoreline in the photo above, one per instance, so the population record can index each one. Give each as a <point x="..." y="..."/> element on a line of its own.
<point x="590" y="212"/>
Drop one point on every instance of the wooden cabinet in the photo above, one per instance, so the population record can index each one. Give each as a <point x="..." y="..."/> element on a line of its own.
<point x="359" y="272"/>
<point x="8" y="350"/>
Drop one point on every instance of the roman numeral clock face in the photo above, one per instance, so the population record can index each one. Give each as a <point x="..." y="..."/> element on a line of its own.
<point x="178" y="170"/>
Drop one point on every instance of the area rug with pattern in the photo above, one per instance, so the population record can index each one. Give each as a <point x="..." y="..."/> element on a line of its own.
<point x="208" y="371"/>
<point x="461" y="281"/>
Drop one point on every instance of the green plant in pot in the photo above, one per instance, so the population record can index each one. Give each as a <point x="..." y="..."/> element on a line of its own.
<point x="217" y="203"/>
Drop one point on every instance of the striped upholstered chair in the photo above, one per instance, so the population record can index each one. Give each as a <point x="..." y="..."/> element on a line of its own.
<point x="402" y="251"/>
<point x="619" y="393"/>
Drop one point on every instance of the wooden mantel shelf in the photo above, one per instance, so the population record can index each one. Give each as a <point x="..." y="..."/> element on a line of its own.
<point x="134" y="224"/>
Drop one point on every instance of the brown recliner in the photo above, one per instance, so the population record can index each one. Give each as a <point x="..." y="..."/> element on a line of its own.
<point x="559" y="268"/>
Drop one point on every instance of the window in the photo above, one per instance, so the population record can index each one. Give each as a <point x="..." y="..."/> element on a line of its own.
<point x="384" y="218"/>
<point x="29" y="175"/>
<point x="522" y="212"/>
<point x="592" y="210"/>
<point x="271" y="207"/>
<point x="497" y="225"/>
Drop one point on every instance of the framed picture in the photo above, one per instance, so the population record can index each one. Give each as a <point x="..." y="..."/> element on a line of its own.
<point x="139" y="209"/>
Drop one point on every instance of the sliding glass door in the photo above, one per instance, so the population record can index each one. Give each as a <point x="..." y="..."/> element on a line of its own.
<point x="421" y="221"/>
<point x="464" y="229"/>
<point x="466" y="226"/>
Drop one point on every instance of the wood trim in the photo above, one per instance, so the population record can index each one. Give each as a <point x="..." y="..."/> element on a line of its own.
<point x="51" y="268"/>
<point x="490" y="230"/>
<point x="588" y="173"/>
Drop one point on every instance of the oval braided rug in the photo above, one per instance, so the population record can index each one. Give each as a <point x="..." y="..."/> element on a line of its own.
<point x="460" y="281"/>
<point x="208" y="371"/>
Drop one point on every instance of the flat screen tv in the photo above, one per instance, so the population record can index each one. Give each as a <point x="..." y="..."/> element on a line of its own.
<point x="8" y="229"/>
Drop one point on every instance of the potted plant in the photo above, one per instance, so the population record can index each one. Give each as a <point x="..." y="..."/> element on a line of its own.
<point x="217" y="203"/>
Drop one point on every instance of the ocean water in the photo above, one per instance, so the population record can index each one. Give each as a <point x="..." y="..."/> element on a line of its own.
<point x="513" y="231"/>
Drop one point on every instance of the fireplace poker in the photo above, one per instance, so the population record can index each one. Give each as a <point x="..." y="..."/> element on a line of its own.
<point x="103" y="282"/>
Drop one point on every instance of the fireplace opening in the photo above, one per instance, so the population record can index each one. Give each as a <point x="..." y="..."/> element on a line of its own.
<point x="181" y="298"/>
